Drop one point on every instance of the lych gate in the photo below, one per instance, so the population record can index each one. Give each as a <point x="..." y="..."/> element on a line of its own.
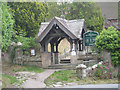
<point x="54" y="31"/>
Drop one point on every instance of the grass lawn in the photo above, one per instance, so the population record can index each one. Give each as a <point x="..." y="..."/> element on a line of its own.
<point x="67" y="76"/>
<point x="28" y="68"/>
<point x="8" y="80"/>
<point x="9" y="71"/>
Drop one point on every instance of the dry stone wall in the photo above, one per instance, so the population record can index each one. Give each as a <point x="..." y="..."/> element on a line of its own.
<point x="29" y="60"/>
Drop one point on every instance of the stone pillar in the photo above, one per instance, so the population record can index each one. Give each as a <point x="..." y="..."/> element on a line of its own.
<point x="46" y="59"/>
<point x="18" y="54"/>
<point x="81" y="71"/>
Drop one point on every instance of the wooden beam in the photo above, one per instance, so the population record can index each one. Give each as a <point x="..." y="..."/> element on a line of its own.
<point x="56" y="35"/>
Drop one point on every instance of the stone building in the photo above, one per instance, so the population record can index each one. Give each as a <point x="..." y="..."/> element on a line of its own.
<point x="54" y="31"/>
<point x="110" y="14"/>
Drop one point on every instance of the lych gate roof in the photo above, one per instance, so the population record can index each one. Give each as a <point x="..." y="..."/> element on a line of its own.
<point x="72" y="28"/>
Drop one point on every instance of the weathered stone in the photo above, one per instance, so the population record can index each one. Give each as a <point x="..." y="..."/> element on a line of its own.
<point x="106" y="56"/>
<point x="46" y="59"/>
<point x="81" y="71"/>
<point x="13" y="44"/>
<point x="73" y="59"/>
<point x="36" y="63"/>
<point x="59" y="83"/>
<point x="19" y="44"/>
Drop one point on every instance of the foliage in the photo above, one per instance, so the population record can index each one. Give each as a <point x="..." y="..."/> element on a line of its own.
<point x="7" y="27"/>
<point x="88" y="11"/>
<point x="27" y="43"/>
<point x="12" y="53"/>
<point x="79" y="10"/>
<point x="110" y="40"/>
<point x="55" y="9"/>
<point x="28" y="17"/>
<point x="99" y="57"/>
<point x="0" y="24"/>
<point x="105" y="71"/>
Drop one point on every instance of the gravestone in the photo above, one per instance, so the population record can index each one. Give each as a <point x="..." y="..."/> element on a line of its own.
<point x="81" y="71"/>
<point x="106" y="56"/>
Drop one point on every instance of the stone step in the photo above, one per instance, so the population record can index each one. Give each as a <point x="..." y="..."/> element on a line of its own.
<point x="62" y="61"/>
<point x="62" y="66"/>
<point x="65" y="62"/>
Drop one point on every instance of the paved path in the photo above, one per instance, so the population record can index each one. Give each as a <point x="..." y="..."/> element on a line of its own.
<point x="94" y="86"/>
<point x="38" y="80"/>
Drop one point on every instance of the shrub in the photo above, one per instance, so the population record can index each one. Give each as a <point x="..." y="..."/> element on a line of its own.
<point x="109" y="40"/>
<point x="105" y="71"/>
<point x="27" y="43"/>
<point x="7" y="27"/>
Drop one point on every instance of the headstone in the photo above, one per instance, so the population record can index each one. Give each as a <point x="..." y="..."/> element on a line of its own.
<point x="81" y="71"/>
<point x="106" y="56"/>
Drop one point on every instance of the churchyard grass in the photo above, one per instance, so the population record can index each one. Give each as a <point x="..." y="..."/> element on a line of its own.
<point x="35" y="69"/>
<point x="7" y="79"/>
<point x="61" y="76"/>
<point x="69" y="76"/>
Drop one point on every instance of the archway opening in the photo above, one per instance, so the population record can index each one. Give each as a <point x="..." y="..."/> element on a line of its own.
<point x="64" y="46"/>
<point x="49" y="47"/>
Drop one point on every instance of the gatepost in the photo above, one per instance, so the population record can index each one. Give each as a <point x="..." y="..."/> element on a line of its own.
<point x="46" y="59"/>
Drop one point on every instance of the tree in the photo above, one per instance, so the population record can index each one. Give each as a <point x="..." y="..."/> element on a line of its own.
<point x="110" y="40"/>
<point x="28" y="17"/>
<point x="79" y="10"/>
<point x="88" y="11"/>
<point x="55" y="9"/>
<point x="7" y="27"/>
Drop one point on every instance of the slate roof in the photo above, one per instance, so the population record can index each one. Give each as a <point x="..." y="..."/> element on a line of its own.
<point x="73" y="27"/>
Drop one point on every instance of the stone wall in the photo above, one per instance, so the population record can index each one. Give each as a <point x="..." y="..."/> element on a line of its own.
<point x="35" y="63"/>
<point x="6" y="57"/>
<point x="29" y="60"/>
<point x="106" y="55"/>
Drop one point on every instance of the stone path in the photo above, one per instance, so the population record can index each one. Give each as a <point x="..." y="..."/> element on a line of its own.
<point x="38" y="80"/>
